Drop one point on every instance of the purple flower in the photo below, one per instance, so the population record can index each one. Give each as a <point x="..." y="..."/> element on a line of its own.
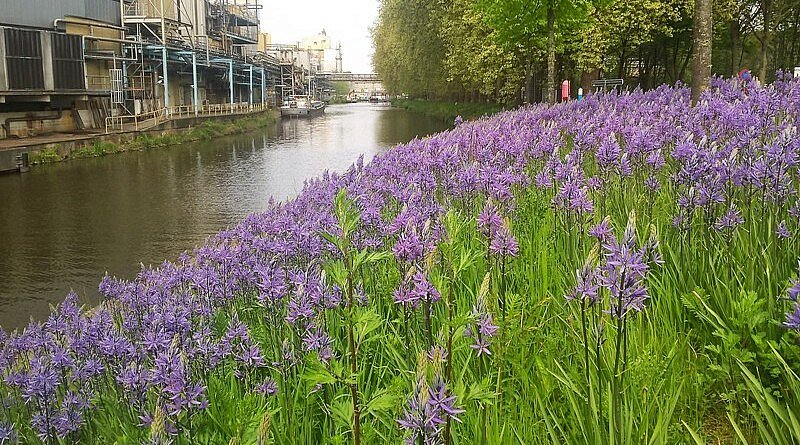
<point x="8" y="434"/>
<point x="440" y="400"/>
<point x="267" y="388"/>
<point x="481" y="346"/>
<point x="623" y="272"/>
<point x="409" y="247"/>
<point x="482" y="328"/>
<point x="250" y="355"/>
<point x="424" y="290"/>
<point x="652" y="184"/>
<point x="793" y="318"/>
<point x="317" y="340"/>
<point x="503" y="243"/>
<point x="730" y="220"/>
<point x="783" y="231"/>
<point x="404" y="295"/>
<point x="586" y="285"/>
<point x="602" y="231"/>
<point x="427" y="411"/>
<point x="489" y="220"/>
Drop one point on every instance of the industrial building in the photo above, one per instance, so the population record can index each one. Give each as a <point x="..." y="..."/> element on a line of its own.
<point x="123" y="65"/>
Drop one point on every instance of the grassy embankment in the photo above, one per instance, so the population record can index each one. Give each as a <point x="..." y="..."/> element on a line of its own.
<point x="517" y="280"/>
<point x="447" y="110"/>
<point x="206" y="131"/>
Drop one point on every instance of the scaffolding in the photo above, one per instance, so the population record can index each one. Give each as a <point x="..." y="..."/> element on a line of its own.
<point x="234" y="23"/>
<point x="207" y="39"/>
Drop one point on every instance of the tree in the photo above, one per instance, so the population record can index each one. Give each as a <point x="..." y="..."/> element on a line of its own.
<point x="533" y="26"/>
<point x="551" y="51"/>
<point x="474" y="60"/>
<point x="616" y="30"/>
<point x="498" y="49"/>
<point x="409" y="52"/>
<point x="701" y="44"/>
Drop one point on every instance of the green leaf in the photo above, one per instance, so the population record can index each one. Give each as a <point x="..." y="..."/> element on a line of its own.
<point x="365" y="323"/>
<point x="342" y="412"/>
<point x="383" y="400"/>
<point x="331" y="238"/>
<point x="315" y="373"/>
<point x="337" y="271"/>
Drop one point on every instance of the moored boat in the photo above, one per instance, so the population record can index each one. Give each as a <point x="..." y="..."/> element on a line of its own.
<point x="302" y="106"/>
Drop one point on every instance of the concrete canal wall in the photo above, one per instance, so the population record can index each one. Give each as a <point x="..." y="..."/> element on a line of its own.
<point x="59" y="147"/>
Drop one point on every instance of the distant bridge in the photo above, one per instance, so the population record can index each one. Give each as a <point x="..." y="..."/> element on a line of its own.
<point x="360" y="85"/>
<point x="349" y="77"/>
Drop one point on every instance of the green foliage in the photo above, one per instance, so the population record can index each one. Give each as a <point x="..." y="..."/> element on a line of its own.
<point x="706" y="342"/>
<point x="776" y="413"/>
<point x="495" y="49"/>
<point x="409" y="50"/>
<point x="99" y="148"/>
<point x="447" y="110"/>
<point x="208" y="130"/>
<point x="45" y="156"/>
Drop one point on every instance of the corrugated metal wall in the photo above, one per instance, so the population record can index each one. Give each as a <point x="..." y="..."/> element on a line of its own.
<point x="103" y="10"/>
<point x="24" y="59"/>
<point x="42" y="13"/>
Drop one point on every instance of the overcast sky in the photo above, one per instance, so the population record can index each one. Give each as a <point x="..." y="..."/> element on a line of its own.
<point x="345" y="21"/>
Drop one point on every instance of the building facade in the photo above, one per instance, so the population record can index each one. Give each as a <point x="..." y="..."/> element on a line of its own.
<point x="72" y="65"/>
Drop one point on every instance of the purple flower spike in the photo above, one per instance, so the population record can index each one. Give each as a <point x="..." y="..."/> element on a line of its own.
<point x="586" y="286"/>
<point x="489" y="220"/>
<point x="503" y="243"/>
<point x="267" y="388"/>
<point x="730" y="220"/>
<point x="783" y="231"/>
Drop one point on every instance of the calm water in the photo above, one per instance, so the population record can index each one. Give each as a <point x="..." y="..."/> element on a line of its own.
<point x="63" y="226"/>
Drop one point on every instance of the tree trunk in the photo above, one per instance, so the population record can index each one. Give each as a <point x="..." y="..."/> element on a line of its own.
<point x="551" y="52"/>
<point x="735" y="42"/>
<point x="766" y="39"/>
<point x="587" y="77"/>
<point x="528" y="81"/>
<point x="792" y="51"/>
<point x="701" y="48"/>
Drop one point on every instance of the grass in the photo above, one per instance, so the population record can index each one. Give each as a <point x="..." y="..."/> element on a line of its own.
<point x="705" y="361"/>
<point x="685" y="359"/>
<point x="45" y="156"/>
<point x="208" y="130"/>
<point x="447" y="110"/>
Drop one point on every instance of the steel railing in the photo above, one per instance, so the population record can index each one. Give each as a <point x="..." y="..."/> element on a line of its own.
<point x="143" y="121"/>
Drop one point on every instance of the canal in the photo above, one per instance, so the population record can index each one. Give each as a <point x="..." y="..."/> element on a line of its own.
<point x="62" y="226"/>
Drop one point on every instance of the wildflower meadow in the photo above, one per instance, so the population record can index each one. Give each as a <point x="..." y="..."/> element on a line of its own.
<point x="617" y="270"/>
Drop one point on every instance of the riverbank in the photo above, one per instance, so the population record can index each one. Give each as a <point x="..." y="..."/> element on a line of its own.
<point x="447" y="110"/>
<point x="437" y="281"/>
<point x="83" y="146"/>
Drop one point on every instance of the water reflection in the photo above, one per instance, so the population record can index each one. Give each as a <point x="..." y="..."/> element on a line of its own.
<point x="63" y="226"/>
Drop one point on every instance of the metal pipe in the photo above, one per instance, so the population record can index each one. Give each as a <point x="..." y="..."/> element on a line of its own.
<point x="230" y="79"/>
<point x="111" y="56"/>
<point x="263" y="86"/>
<point x="164" y="60"/>
<point x="76" y="22"/>
<point x="194" y="79"/>
<point x="28" y="118"/>
<point x="250" y="101"/>
<point x="112" y="39"/>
